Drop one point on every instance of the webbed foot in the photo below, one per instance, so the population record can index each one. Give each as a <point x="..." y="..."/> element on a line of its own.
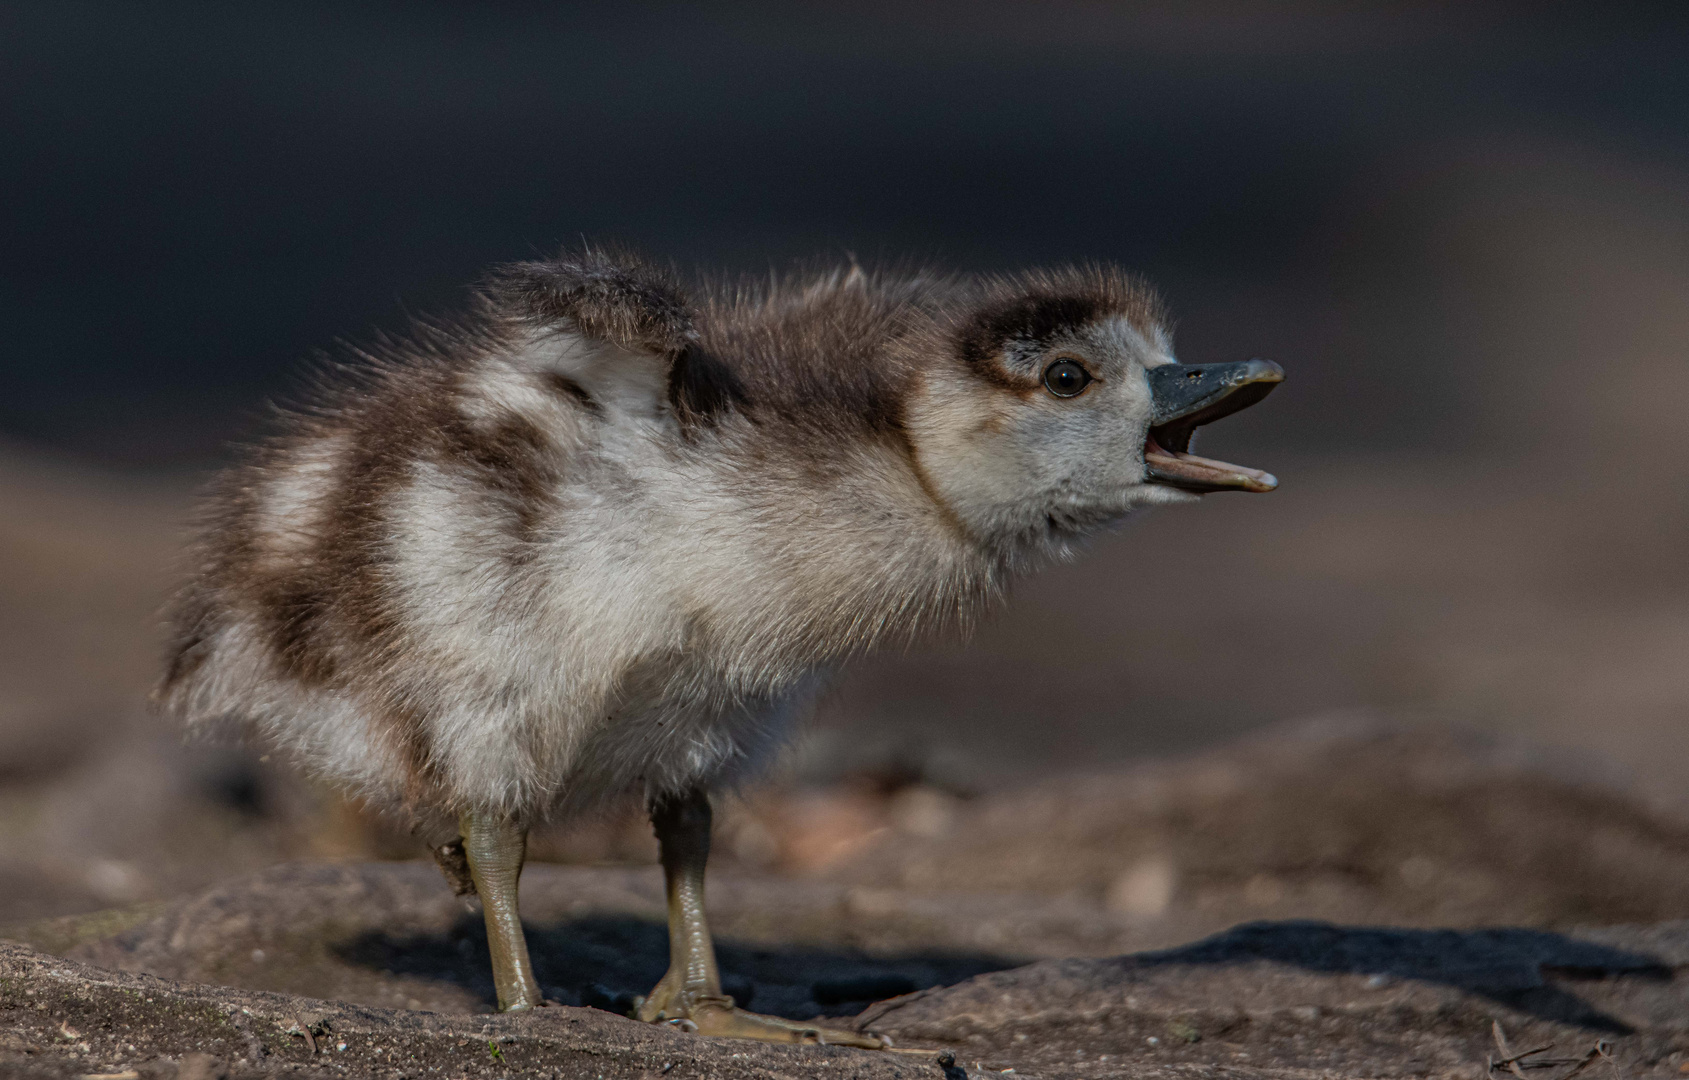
<point x="713" y="1014"/>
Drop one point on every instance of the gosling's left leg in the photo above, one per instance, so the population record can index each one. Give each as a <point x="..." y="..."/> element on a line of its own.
<point x="496" y="847"/>
<point x="690" y="994"/>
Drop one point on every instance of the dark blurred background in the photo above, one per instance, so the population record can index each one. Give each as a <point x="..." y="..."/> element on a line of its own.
<point x="1462" y="228"/>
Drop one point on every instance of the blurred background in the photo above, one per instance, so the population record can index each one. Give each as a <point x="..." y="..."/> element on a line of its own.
<point x="1463" y="229"/>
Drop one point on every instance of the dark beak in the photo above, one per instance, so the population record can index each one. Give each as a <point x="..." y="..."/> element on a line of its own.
<point x="1185" y="397"/>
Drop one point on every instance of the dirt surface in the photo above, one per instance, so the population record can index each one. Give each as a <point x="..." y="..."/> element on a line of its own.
<point x="1317" y="999"/>
<point x="1047" y="930"/>
<point x="1265" y="999"/>
<point x="1346" y="818"/>
<point x="62" y="1019"/>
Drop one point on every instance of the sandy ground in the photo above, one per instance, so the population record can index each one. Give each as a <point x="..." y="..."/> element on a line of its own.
<point x="1238" y="909"/>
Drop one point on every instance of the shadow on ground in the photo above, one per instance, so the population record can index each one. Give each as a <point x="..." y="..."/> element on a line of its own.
<point x="1507" y="965"/>
<point x="605" y="961"/>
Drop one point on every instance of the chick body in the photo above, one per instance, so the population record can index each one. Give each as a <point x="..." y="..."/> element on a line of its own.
<point x="601" y="537"/>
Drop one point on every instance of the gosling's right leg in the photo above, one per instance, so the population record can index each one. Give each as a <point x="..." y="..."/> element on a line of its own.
<point x="690" y="994"/>
<point x="495" y="848"/>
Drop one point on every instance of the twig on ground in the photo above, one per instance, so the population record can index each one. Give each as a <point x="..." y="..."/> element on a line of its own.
<point x="1517" y="1063"/>
<point x="1509" y="1060"/>
<point x="1599" y="1050"/>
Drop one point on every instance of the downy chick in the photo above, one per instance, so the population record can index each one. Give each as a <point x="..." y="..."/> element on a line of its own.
<point x="605" y="534"/>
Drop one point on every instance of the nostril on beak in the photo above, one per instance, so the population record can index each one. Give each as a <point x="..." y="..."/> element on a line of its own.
<point x="1202" y="393"/>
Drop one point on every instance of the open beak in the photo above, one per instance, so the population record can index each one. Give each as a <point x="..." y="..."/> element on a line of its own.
<point x="1185" y="397"/>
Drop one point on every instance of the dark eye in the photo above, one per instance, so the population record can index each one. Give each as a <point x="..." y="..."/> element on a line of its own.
<point x="1066" y="378"/>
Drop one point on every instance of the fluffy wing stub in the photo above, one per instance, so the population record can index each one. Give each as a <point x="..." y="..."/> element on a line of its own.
<point x="622" y="301"/>
<point x="614" y="298"/>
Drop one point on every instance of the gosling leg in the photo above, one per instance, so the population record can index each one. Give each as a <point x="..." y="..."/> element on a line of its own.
<point x="495" y="847"/>
<point x="689" y="995"/>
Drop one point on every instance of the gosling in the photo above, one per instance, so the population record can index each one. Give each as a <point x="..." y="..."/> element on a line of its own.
<point x="603" y="536"/>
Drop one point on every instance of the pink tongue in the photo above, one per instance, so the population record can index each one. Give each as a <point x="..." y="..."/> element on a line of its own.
<point x="1205" y="471"/>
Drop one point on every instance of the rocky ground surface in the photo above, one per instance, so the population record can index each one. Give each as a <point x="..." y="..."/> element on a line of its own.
<point x="1335" y="900"/>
